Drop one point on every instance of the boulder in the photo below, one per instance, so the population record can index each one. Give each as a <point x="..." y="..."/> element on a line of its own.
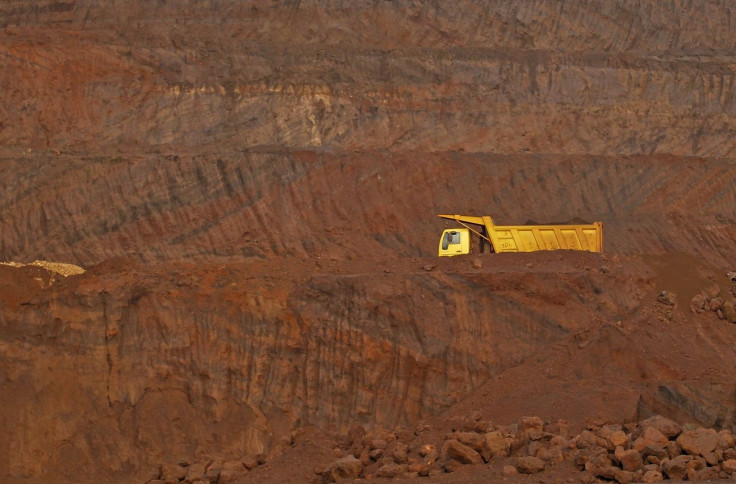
<point x="212" y="474"/>
<point x="650" y="436"/>
<point x="509" y="471"/>
<point x="704" y="474"/>
<point x="560" y="427"/>
<point x="196" y="471"/>
<point x="698" y="441"/>
<point x="607" y="472"/>
<point x="451" y="465"/>
<point x="673" y="450"/>
<point x="346" y="468"/>
<point x="677" y="468"/>
<point x="251" y="461"/>
<point x="596" y="455"/>
<point x="630" y="460"/>
<point x="529" y="465"/>
<point x="453" y="449"/>
<point x="400" y="453"/>
<point x="726" y="440"/>
<point x="530" y="428"/>
<point x="589" y="440"/>
<point x="616" y="438"/>
<point x="173" y="472"/>
<point x="652" y="476"/>
<point x="497" y="443"/>
<point x="711" y="458"/>
<point x="667" y="427"/>
<point x="473" y="440"/>
<point x="553" y="454"/>
<point x="654" y="451"/>
<point x="392" y="470"/>
<point x="729" y="466"/>
<point x="227" y="476"/>
<point x="729" y="311"/>
<point x="375" y="443"/>
<point x="624" y="477"/>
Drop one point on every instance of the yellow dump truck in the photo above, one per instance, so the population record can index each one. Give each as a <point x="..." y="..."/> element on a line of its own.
<point x="519" y="238"/>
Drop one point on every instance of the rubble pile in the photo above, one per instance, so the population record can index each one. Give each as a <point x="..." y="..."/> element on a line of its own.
<point x="651" y="450"/>
<point x="711" y="299"/>
<point x="210" y="471"/>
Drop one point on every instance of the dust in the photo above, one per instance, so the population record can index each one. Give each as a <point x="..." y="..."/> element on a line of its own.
<point x="60" y="268"/>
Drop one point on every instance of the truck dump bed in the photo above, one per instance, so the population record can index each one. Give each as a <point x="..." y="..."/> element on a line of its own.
<point x="529" y="238"/>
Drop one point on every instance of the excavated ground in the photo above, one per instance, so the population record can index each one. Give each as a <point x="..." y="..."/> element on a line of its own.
<point x="252" y="189"/>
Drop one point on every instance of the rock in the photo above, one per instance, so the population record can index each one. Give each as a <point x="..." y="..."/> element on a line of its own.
<point x="400" y="453"/>
<point x="729" y="311"/>
<point x="453" y="449"/>
<point x="213" y="470"/>
<point x="673" y="450"/>
<point x="624" y="477"/>
<point x="677" y="467"/>
<point x="529" y="465"/>
<point x="729" y="454"/>
<point x="451" y="465"/>
<point x="698" y="441"/>
<point x="589" y="440"/>
<point x="654" y="451"/>
<point x="375" y="454"/>
<point x="668" y="298"/>
<point x="345" y="468"/>
<point x="497" y="443"/>
<point x="698" y="303"/>
<point x="251" y="461"/>
<point x="196" y="471"/>
<point x="477" y="264"/>
<point x="716" y="304"/>
<point x="473" y="440"/>
<point x="711" y="458"/>
<point x="704" y="474"/>
<point x="392" y="470"/>
<point x="509" y="471"/>
<point x="560" y="428"/>
<point x="173" y="472"/>
<point x="233" y="465"/>
<point x="376" y="443"/>
<point x="530" y="428"/>
<point x="729" y="466"/>
<point x="429" y="267"/>
<point x="553" y="454"/>
<point x="425" y="449"/>
<point x="607" y="472"/>
<point x="669" y="428"/>
<point x="630" y="460"/>
<point x="596" y="455"/>
<point x="726" y="440"/>
<point x="615" y="439"/>
<point x="650" y="436"/>
<point x="652" y="476"/>
<point x="227" y="476"/>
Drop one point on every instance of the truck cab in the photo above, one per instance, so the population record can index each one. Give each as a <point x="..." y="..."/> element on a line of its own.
<point x="454" y="242"/>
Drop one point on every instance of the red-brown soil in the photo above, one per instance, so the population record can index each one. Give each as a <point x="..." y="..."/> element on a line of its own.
<point x="252" y="188"/>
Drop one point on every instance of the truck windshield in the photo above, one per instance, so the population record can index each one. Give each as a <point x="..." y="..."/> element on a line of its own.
<point x="450" y="238"/>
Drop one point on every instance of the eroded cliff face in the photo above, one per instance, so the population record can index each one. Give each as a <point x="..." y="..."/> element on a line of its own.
<point x="253" y="187"/>
<point x="123" y="367"/>
<point x="159" y="132"/>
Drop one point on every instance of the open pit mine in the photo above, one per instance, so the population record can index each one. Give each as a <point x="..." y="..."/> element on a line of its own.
<point x="219" y="241"/>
